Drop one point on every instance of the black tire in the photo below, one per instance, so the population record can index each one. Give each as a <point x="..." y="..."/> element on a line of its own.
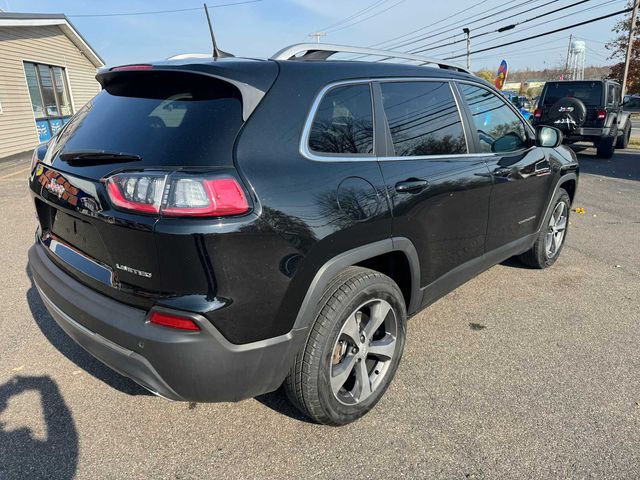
<point x="309" y="383"/>
<point x="606" y="146"/>
<point x="539" y="256"/>
<point x="623" y="140"/>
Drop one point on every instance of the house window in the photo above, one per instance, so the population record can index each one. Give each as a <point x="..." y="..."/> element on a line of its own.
<point x="50" y="99"/>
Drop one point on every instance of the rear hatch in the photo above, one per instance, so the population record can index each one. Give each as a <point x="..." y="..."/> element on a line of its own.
<point x="146" y="129"/>
<point x="591" y="93"/>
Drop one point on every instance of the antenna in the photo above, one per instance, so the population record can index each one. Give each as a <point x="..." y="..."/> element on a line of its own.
<point x="217" y="53"/>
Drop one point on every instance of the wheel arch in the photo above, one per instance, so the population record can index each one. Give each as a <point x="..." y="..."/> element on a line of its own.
<point x="623" y="117"/>
<point x="379" y="256"/>
<point x="568" y="181"/>
<point x="570" y="185"/>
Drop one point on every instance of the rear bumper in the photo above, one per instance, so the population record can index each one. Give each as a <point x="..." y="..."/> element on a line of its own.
<point x="190" y="366"/>
<point x="590" y="134"/>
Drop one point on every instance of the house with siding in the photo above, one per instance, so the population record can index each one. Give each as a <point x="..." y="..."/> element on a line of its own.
<point x="47" y="73"/>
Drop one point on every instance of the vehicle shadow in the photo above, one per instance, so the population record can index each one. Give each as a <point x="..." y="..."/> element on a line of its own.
<point x="65" y="345"/>
<point x="625" y="164"/>
<point x="278" y="402"/>
<point x="24" y="456"/>
<point x="513" y="262"/>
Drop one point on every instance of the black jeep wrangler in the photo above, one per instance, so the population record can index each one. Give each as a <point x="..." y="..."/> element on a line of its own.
<point x="214" y="228"/>
<point x="586" y="111"/>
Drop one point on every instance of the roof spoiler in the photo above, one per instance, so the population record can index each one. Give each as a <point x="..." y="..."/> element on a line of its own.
<point x="251" y="95"/>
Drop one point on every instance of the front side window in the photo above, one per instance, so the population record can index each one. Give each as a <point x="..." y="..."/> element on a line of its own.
<point x="343" y="123"/>
<point x="423" y="119"/>
<point x="498" y="128"/>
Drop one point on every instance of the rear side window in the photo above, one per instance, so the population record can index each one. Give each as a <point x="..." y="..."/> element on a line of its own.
<point x="423" y="119"/>
<point x="589" y="92"/>
<point x="167" y="118"/>
<point x="498" y="128"/>
<point x="343" y="123"/>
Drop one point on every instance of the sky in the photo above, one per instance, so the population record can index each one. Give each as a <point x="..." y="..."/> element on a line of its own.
<point x="261" y="28"/>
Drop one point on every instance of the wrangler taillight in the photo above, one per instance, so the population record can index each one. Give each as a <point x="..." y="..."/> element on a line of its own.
<point x="537" y="113"/>
<point x="177" y="194"/>
<point x="601" y="114"/>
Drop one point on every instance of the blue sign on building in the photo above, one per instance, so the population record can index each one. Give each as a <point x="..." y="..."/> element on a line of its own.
<point x="44" y="134"/>
<point x="56" y="125"/>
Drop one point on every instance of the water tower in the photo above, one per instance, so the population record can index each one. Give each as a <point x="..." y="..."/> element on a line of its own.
<point x="577" y="54"/>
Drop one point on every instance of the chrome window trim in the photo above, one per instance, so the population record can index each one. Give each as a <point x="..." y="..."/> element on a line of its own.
<point x="527" y="126"/>
<point x="307" y="153"/>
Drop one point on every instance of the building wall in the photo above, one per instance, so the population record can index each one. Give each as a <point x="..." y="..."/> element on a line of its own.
<point x="47" y="45"/>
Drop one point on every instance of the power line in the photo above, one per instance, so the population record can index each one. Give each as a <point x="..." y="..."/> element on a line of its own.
<point x="441" y="30"/>
<point x="431" y="24"/>
<point x="356" y="14"/>
<point x="609" y="2"/>
<point x="549" y="21"/>
<point x="367" y="18"/>
<point x="513" y="25"/>
<point x="444" y="30"/>
<point x="220" y="5"/>
<point x="391" y="40"/>
<point x="533" y="37"/>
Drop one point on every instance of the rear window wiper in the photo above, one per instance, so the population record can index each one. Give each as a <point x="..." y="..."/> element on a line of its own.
<point x="93" y="157"/>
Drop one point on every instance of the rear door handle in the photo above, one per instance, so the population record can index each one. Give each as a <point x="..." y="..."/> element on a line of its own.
<point x="412" y="185"/>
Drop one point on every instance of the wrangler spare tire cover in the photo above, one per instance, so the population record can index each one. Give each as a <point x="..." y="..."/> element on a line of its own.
<point x="567" y="113"/>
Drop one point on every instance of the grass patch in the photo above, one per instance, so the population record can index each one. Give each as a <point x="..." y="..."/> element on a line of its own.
<point x="634" y="142"/>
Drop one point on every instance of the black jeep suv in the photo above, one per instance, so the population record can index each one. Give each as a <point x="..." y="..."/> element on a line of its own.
<point x="586" y="111"/>
<point x="214" y="228"/>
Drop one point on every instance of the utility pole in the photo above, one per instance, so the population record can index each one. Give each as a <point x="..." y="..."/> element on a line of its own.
<point x="317" y="35"/>
<point x="632" y="32"/>
<point x="468" y="34"/>
<point x="566" y="63"/>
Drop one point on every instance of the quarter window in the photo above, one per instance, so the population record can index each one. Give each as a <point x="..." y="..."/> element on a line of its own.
<point x="498" y="128"/>
<point x="423" y="119"/>
<point x="343" y="123"/>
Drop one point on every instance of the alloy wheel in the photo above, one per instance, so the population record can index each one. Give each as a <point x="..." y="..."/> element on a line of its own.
<point x="363" y="352"/>
<point x="556" y="230"/>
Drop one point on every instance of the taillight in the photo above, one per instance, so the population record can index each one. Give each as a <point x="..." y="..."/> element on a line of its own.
<point x="38" y="155"/>
<point x="173" y="321"/>
<point x="537" y="112"/>
<point x="177" y="195"/>
<point x="601" y="114"/>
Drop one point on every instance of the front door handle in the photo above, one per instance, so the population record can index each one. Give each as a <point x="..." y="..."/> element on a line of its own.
<point x="502" y="172"/>
<point x="412" y="185"/>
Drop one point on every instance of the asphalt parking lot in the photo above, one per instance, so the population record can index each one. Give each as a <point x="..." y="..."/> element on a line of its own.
<point x="517" y="374"/>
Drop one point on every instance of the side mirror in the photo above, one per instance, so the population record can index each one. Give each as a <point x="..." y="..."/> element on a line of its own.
<point x="548" y="137"/>
<point x="507" y="143"/>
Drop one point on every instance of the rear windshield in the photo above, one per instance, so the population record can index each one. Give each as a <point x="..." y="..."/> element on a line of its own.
<point x="167" y="118"/>
<point x="589" y="92"/>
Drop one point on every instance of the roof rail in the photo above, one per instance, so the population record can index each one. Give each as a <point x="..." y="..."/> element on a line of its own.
<point x="322" y="51"/>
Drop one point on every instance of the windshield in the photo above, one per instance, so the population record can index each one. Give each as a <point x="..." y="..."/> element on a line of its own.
<point x="589" y="92"/>
<point x="166" y="118"/>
